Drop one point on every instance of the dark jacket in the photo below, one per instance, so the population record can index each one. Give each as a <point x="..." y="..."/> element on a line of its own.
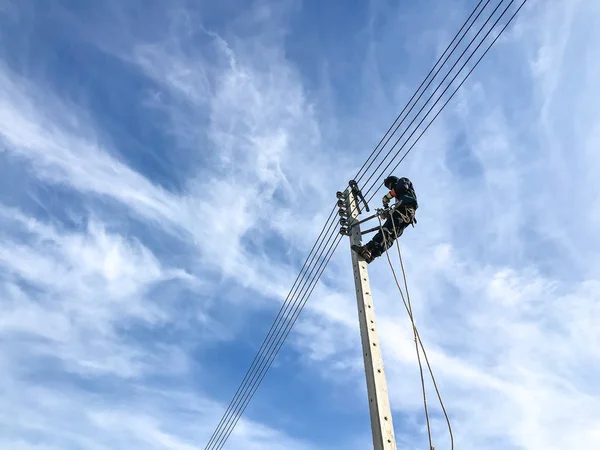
<point x="405" y="192"/>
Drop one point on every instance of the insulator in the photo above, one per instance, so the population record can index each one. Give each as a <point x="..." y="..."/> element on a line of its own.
<point x="352" y="183"/>
<point x="343" y="222"/>
<point x="339" y="194"/>
<point x="341" y="203"/>
<point x="344" y="231"/>
<point x="342" y="212"/>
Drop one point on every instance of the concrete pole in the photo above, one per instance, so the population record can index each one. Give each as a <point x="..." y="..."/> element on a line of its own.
<point x="379" y="403"/>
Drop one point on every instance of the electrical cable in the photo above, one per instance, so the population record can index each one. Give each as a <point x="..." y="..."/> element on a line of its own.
<point x="280" y="342"/>
<point x="445" y="90"/>
<point x="243" y="385"/>
<point x="225" y="422"/>
<point x="358" y="177"/>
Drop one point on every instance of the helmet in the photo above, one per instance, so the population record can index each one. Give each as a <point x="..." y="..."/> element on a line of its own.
<point x="390" y="182"/>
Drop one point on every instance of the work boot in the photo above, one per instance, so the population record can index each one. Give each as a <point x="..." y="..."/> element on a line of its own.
<point x="363" y="251"/>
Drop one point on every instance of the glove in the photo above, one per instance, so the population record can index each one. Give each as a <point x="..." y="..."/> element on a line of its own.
<point x="386" y="199"/>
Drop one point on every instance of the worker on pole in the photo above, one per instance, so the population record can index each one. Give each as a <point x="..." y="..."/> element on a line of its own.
<point x="398" y="217"/>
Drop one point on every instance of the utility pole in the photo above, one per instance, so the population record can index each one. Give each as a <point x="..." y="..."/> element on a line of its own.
<point x="379" y="403"/>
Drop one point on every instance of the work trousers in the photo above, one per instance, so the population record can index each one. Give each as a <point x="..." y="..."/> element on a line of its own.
<point x="399" y="219"/>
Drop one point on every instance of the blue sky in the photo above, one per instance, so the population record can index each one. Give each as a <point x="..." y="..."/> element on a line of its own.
<point x="166" y="166"/>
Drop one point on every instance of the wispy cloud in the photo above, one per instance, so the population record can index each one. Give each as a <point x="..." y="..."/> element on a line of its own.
<point x="113" y="312"/>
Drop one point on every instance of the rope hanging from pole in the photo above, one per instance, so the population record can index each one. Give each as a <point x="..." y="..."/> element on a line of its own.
<point x="418" y="341"/>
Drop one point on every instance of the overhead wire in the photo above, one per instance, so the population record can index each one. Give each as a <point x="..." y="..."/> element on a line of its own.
<point x="358" y="177"/>
<point x="407" y="304"/>
<point x="465" y="79"/>
<point x="282" y="316"/>
<point x="243" y="386"/>
<point x="252" y="381"/>
<point x="275" y="350"/>
<point x="446" y="89"/>
<point x="313" y="285"/>
<point x="443" y="92"/>
<point x="335" y="246"/>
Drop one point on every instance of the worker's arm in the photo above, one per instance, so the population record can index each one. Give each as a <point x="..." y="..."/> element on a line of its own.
<point x="387" y="197"/>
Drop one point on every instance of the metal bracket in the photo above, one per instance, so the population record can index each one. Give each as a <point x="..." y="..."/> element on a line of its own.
<point x="348" y="220"/>
<point x="357" y="193"/>
<point x="369" y="230"/>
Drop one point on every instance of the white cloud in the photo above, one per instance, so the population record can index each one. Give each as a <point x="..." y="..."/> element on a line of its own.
<point x="74" y="289"/>
<point x="90" y="283"/>
<point x="177" y="419"/>
<point x="501" y="265"/>
<point x="493" y="305"/>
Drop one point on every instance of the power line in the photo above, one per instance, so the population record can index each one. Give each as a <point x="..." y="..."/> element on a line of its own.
<point x="251" y="381"/>
<point x="359" y="178"/>
<point x="465" y="79"/>
<point x="255" y="359"/>
<point x="248" y="376"/>
<point x="445" y="90"/>
<point x="276" y="322"/>
<point x="275" y="350"/>
<point x="440" y="85"/>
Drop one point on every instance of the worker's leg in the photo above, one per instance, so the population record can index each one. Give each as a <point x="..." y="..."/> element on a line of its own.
<point x="375" y="247"/>
<point x="386" y="236"/>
